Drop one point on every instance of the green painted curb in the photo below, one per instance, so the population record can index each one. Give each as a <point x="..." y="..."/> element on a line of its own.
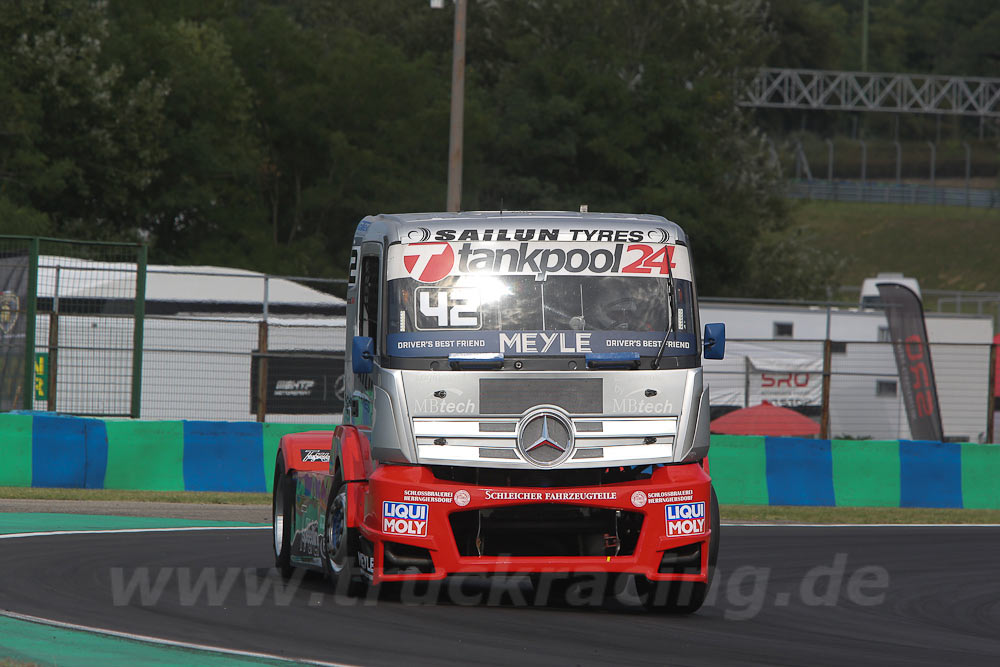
<point x="145" y="455"/>
<point x="15" y="449"/>
<point x="738" y="466"/>
<point x="41" y="522"/>
<point x="865" y="473"/>
<point x="47" y="645"/>
<point x="980" y="485"/>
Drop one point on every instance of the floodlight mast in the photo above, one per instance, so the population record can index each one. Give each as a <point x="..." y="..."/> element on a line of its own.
<point x="455" y="139"/>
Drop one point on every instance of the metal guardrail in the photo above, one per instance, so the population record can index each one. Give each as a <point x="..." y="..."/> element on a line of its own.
<point x="892" y="193"/>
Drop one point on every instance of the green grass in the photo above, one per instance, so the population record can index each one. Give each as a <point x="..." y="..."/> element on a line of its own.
<point x="944" y="247"/>
<point x="776" y="513"/>
<point x="208" y="498"/>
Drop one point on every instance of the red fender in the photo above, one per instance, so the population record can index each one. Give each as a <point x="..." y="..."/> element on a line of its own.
<point x="307" y="451"/>
<point x="351" y="453"/>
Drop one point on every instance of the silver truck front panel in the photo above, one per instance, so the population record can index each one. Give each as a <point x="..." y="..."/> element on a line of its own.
<point x="469" y="418"/>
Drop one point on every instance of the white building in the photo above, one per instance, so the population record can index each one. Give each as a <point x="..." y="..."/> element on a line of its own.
<point x="772" y="344"/>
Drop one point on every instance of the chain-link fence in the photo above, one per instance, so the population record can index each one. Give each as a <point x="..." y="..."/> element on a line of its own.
<point x="240" y="345"/>
<point x="863" y="399"/>
<point x="86" y="329"/>
<point x="72" y="325"/>
<point x="949" y="173"/>
<point x="892" y="193"/>
<point x="280" y="369"/>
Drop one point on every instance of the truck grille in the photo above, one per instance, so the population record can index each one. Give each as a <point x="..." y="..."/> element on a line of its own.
<point x="481" y="441"/>
<point x="516" y="396"/>
<point x="545" y="530"/>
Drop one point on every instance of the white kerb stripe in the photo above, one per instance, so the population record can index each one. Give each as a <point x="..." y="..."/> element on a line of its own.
<point x="10" y="536"/>
<point x="861" y="525"/>
<point x="165" y="642"/>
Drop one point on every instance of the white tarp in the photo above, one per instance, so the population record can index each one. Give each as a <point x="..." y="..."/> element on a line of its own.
<point x="769" y="373"/>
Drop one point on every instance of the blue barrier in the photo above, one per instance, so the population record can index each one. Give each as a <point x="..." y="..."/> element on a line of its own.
<point x="74" y="452"/>
<point x="223" y="456"/>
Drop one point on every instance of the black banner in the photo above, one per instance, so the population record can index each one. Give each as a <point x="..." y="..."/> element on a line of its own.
<point x="13" y="328"/>
<point x="300" y="382"/>
<point x="908" y="333"/>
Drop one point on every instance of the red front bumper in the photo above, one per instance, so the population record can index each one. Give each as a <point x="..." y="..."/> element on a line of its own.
<point x="408" y="506"/>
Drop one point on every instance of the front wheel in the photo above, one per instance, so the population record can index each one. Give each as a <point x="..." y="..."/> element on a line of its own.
<point x="282" y="501"/>
<point x="341" y="544"/>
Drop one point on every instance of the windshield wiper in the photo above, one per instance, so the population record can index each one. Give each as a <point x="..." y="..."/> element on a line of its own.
<point x="628" y="360"/>
<point x="478" y="361"/>
<point x="672" y="327"/>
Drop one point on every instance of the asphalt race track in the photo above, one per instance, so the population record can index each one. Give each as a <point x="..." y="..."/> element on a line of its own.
<point x="783" y="595"/>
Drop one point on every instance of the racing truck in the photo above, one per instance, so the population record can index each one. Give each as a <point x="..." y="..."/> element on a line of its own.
<point x="523" y="395"/>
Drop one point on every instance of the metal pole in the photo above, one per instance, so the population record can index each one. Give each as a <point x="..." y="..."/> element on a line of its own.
<point x="899" y="162"/>
<point x="746" y="382"/>
<point x="29" y="333"/>
<point x="139" y="327"/>
<point x="262" y="371"/>
<point x="992" y="392"/>
<point x="864" y="160"/>
<point x="829" y="160"/>
<point x="968" y="169"/>
<point x="824" y="426"/>
<point x="457" y="109"/>
<point x="267" y="294"/>
<point x="933" y="165"/>
<point x="54" y="344"/>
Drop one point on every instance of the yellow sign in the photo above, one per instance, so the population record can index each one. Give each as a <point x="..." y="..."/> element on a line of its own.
<point x="41" y="376"/>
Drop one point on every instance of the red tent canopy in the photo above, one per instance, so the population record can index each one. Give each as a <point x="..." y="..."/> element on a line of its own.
<point x="764" y="419"/>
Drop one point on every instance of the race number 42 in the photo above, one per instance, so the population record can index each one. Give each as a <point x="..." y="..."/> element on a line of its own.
<point x="457" y="307"/>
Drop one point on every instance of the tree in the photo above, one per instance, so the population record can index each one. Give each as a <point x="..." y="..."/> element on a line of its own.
<point x="627" y="105"/>
<point x="75" y="143"/>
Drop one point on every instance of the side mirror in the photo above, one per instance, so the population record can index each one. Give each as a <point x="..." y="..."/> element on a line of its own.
<point x="363" y="355"/>
<point x="715" y="341"/>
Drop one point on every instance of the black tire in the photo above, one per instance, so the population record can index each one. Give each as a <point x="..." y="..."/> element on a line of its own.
<point x="687" y="597"/>
<point x="282" y="501"/>
<point x="340" y="544"/>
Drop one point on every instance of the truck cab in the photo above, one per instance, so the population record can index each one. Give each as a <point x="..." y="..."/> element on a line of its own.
<point x="524" y="393"/>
